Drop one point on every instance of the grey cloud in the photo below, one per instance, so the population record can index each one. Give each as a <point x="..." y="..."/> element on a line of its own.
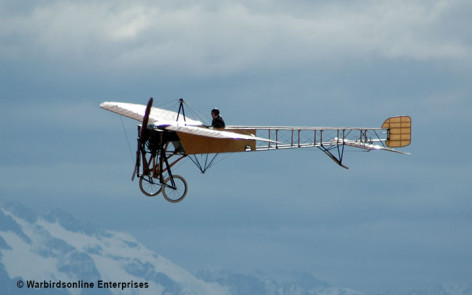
<point x="213" y="39"/>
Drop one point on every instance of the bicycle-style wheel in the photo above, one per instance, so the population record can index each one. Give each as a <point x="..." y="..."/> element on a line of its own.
<point x="149" y="186"/>
<point x="176" y="190"/>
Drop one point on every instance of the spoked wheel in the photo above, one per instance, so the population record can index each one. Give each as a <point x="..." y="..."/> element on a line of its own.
<point x="151" y="187"/>
<point x="174" y="192"/>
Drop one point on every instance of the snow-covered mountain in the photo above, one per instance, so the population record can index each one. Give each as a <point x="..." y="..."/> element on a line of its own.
<point x="277" y="283"/>
<point x="58" y="248"/>
<point x="55" y="251"/>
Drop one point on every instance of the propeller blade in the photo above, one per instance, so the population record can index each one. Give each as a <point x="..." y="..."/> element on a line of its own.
<point x="146" y="118"/>
<point x="141" y="138"/>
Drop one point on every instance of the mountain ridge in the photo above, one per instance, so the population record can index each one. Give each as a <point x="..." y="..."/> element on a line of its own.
<point x="69" y="250"/>
<point x="57" y="247"/>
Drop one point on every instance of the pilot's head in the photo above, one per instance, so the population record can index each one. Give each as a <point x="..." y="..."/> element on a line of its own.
<point x="215" y="112"/>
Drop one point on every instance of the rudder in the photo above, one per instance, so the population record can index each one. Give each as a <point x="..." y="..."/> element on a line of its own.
<point x="399" y="131"/>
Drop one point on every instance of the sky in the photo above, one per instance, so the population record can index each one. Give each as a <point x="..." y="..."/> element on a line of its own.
<point x="391" y="222"/>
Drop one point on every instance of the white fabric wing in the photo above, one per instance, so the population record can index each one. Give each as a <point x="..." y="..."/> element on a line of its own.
<point x="214" y="133"/>
<point x="158" y="117"/>
<point x="168" y="119"/>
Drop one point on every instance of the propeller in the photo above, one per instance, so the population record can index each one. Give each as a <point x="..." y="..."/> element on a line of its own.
<point x="141" y="138"/>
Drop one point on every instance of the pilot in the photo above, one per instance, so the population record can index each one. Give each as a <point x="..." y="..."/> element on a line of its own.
<point x="218" y="121"/>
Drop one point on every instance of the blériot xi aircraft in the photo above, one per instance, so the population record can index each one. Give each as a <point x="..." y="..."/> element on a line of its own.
<point x="166" y="137"/>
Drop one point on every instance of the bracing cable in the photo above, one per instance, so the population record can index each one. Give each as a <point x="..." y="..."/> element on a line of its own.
<point x="127" y="139"/>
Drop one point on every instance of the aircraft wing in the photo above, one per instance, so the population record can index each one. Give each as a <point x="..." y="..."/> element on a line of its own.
<point x="195" y="137"/>
<point x="214" y="133"/>
<point x="158" y="117"/>
<point x="202" y="140"/>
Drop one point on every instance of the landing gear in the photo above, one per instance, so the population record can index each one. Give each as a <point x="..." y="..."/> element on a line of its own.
<point x="174" y="189"/>
<point x="154" y="166"/>
<point x="155" y="158"/>
<point x="149" y="186"/>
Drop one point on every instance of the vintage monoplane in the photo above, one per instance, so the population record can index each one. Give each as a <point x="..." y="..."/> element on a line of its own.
<point x="166" y="137"/>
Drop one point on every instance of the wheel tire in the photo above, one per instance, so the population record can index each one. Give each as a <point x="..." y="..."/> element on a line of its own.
<point x="177" y="194"/>
<point x="150" y="186"/>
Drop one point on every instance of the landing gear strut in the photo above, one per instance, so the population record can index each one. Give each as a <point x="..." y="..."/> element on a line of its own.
<point x="156" y="175"/>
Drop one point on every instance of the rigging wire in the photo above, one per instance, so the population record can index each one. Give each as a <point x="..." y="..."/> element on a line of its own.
<point x="198" y="115"/>
<point x="127" y="139"/>
<point x="168" y="104"/>
<point x="205" y="161"/>
<point x="173" y="104"/>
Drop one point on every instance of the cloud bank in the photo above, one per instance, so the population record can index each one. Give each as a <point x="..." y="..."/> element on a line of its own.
<point x="213" y="38"/>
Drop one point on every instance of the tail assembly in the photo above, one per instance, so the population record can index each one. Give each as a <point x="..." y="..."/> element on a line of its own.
<point x="398" y="131"/>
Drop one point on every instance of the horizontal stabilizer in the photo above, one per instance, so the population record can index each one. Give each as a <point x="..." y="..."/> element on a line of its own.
<point x="365" y="146"/>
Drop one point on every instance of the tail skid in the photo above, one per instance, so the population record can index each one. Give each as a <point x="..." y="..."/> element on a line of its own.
<point x="337" y="160"/>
